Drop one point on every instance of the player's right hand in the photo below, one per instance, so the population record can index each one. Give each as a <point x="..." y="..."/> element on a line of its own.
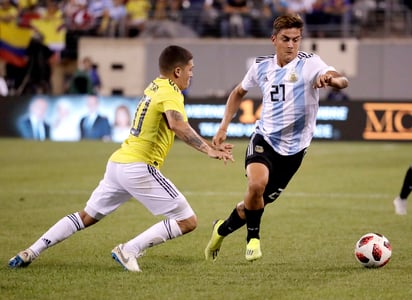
<point x="224" y="154"/>
<point x="219" y="137"/>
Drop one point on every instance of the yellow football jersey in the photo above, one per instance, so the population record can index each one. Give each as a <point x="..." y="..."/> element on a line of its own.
<point x="150" y="138"/>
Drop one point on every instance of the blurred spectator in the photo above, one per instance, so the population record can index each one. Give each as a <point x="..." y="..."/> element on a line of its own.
<point x="98" y="9"/>
<point x="28" y="10"/>
<point x="317" y="19"/>
<point x="79" y="22"/>
<point x="236" y="21"/>
<point x="121" y="125"/>
<point x="114" y="18"/>
<point x="14" y="41"/>
<point x="37" y="73"/>
<point x="86" y="80"/>
<point x="174" y="10"/>
<point x="160" y="10"/>
<point x="93" y="125"/>
<point x="137" y="15"/>
<point x="362" y="10"/>
<point x="261" y="18"/>
<point x="81" y="81"/>
<point x="33" y="125"/>
<point x="51" y="31"/>
<point x="34" y="75"/>
<point x="337" y="12"/>
<point x="77" y="17"/>
<point x="191" y="15"/>
<point x="41" y="60"/>
<point x="301" y="7"/>
<point x="51" y="26"/>
<point x="212" y="14"/>
<point x="279" y="7"/>
<point x="8" y="12"/>
<point x="24" y="4"/>
<point x="165" y="21"/>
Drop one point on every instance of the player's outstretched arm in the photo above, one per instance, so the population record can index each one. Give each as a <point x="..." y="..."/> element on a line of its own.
<point x="232" y="106"/>
<point x="333" y="79"/>
<point x="186" y="133"/>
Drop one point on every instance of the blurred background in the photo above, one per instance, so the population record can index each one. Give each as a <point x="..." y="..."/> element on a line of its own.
<point x="109" y="49"/>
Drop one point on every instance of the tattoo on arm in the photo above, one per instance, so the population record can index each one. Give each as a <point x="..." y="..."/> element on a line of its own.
<point x="188" y="134"/>
<point x="193" y="139"/>
<point x="175" y="115"/>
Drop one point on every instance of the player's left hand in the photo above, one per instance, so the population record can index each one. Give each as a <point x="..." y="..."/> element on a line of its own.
<point x="323" y="81"/>
<point x="219" y="137"/>
<point x="224" y="147"/>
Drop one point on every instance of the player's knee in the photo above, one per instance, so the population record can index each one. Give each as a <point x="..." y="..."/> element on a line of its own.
<point x="188" y="225"/>
<point x="256" y="187"/>
<point x="87" y="219"/>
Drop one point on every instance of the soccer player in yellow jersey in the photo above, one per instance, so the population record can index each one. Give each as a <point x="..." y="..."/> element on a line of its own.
<point x="133" y="170"/>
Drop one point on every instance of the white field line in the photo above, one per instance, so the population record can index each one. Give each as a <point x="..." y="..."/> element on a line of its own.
<point x="218" y="194"/>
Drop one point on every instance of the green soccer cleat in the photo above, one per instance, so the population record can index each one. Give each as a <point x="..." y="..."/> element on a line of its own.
<point x="215" y="242"/>
<point x="253" y="251"/>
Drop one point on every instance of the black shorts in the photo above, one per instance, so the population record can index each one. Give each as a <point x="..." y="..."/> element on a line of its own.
<point x="281" y="167"/>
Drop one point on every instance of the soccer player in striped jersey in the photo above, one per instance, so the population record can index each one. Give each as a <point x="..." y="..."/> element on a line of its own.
<point x="289" y="82"/>
<point x="133" y="170"/>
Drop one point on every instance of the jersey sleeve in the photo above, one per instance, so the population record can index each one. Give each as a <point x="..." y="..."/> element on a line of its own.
<point x="318" y="66"/>
<point x="249" y="80"/>
<point x="174" y="101"/>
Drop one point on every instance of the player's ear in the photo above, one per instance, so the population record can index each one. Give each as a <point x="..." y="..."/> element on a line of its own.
<point x="178" y="71"/>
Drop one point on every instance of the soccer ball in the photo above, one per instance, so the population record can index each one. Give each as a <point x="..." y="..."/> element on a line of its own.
<point x="373" y="250"/>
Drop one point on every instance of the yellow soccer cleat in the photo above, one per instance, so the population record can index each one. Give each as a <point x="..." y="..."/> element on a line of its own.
<point x="215" y="242"/>
<point x="253" y="251"/>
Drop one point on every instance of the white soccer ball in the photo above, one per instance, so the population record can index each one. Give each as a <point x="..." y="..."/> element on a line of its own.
<point x="373" y="250"/>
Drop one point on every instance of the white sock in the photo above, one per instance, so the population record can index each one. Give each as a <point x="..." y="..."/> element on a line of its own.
<point x="155" y="235"/>
<point x="58" y="232"/>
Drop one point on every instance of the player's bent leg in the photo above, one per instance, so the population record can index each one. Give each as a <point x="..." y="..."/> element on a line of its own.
<point x="222" y="228"/>
<point x="87" y="219"/>
<point x="127" y="254"/>
<point x="63" y="229"/>
<point x="188" y="225"/>
<point x="213" y="247"/>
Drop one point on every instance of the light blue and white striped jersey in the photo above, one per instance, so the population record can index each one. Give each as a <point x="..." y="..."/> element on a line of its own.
<point x="290" y="103"/>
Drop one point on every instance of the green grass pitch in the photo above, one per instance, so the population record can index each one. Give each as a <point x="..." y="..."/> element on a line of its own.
<point x="342" y="191"/>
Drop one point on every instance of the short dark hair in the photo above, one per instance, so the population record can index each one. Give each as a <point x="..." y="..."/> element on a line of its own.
<point x="173" y="56"/>
<point x="287" y="22"/>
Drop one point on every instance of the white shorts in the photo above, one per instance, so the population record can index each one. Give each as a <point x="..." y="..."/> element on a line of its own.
<point x="143" y="182"/>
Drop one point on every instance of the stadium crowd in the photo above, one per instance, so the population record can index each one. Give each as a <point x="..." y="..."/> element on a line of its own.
<point x="42" y="31"/>
<point x="204" y="18"/>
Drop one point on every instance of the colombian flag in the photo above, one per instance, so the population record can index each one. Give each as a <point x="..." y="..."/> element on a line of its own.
<point x="14" y="41"/>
